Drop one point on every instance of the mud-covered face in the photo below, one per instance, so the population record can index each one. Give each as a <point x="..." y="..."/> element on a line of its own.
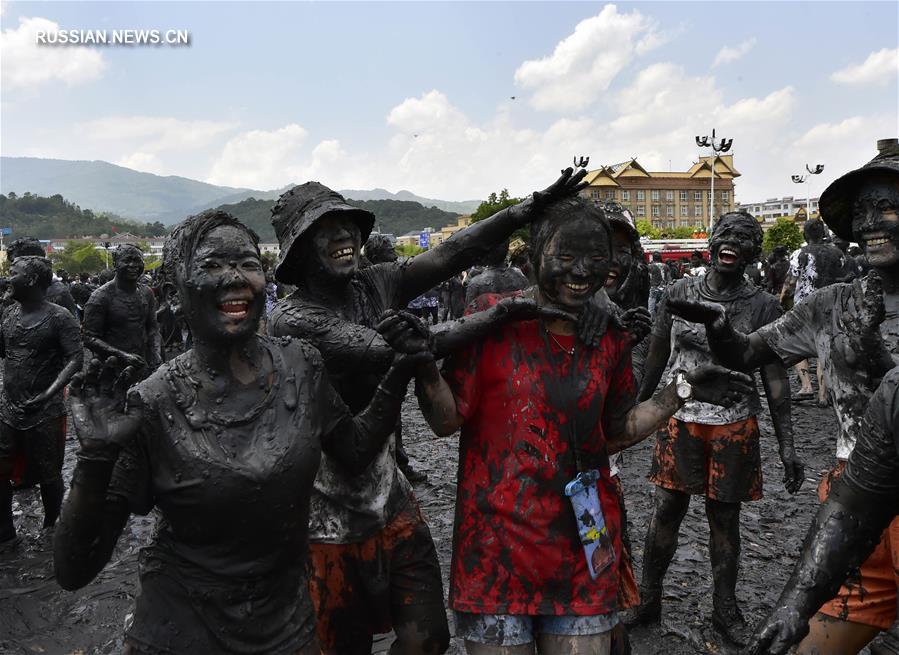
<point x="622" y="260"/>
<point x="875" y="220"/>
<point x="732" y="247"/>
<point x="223" y="296"/>
<point x="336" y="243"/>
<point x="574" y="264"/>
<point x="20" y="281"/>
<point x="129" y="265"/>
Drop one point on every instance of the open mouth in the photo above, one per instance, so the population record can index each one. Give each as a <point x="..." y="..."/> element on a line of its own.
<point x="342" y="254"/>
<point x="727" y="255"/>
<point x="577" y="288"/>
<point x="235" y="309"/>
<point x="612" y="278"/>
<point x="876" y="240"/>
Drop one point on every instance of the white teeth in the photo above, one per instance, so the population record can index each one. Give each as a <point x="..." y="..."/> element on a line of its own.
<point x="578" y="287"/>
<point x="343" y="253"/>
<point x="877" y="242"/>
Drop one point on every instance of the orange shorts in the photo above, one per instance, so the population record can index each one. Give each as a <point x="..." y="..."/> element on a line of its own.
<point x="355" y="587"/>
<point x="869" y="595"/>
<point x="720" y="462"/>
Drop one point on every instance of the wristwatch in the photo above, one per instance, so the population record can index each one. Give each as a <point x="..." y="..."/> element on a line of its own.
<point x="683" y="388"/>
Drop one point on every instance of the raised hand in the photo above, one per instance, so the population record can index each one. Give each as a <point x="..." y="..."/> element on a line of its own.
<point x="104" y="421"/>
<point x="778" y="633"/>
<point x="568" y="184"/>
<point x="594" y="319"/>
<point x="718" y="385"/>
<point x="698" y="311"/>
<point x="637" y="322"/>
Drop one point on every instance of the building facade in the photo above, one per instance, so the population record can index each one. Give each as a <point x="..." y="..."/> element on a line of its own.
<point x="770" y="210"/>
<point x="667" y="199"/>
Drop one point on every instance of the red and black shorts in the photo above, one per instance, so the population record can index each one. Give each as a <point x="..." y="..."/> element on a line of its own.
<point x="356" y="587"/>
<point x="720" y="462"/>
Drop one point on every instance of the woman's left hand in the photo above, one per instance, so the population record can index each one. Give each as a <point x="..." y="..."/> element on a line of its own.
<point x="637" y="322"/>
<point x="594" y="318"/>
<point x="718" y="385"/>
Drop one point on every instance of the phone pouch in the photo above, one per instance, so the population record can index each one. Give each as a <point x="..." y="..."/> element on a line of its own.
<point x="591" y="523"/>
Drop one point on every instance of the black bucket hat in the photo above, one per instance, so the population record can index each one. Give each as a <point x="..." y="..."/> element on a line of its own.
<point x="621" y="217"/>
<point x="297" y="210"/>
<point x="836" y="201"/>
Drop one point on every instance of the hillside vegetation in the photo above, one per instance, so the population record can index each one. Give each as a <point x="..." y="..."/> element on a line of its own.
<point x="55" y="217"/>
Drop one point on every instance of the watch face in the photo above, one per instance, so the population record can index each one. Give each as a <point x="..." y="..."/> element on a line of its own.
<point x="684" y="391"/>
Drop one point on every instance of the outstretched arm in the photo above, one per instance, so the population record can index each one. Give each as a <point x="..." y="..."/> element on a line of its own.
<point x="777" y="390"/>
<point x="466" y="247"/>
<point x="654" y="365"/>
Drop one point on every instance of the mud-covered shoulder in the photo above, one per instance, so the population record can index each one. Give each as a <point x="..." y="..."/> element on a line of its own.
<point x="298" y="353"/>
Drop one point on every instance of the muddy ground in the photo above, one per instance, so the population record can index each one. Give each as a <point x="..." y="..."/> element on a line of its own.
<point x="36" y="616"/>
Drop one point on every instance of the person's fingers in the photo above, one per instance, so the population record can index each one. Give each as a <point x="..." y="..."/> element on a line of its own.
<point x="395" y="333"/>
<point x="124" y="379"/>
<point x="108" y="375"/>
<point x="92" y="376"/>
<point x="388" y="322"/>
<point x="76" y="385"/>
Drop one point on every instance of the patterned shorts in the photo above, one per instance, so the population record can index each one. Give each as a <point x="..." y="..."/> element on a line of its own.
<point x="720" y="462"/>
<point x="517" y="629"/>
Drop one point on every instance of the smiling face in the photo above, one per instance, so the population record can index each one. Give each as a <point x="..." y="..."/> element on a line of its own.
<point x="733" y="245"/>
<point x="622" y="259"/>
<point x="875" y="220"/>
<point x="335" y="245"/>
<point x="574" y="263"/>
<point x="224" y="294"/>
<point x="129" y="264"/>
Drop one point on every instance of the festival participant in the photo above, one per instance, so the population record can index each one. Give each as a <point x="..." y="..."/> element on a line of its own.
<point x="537" y="409"/>
<point x="225" y="441"/>
<point x="40" y="344"/>
<point x="120" y="316"/>
<point x="379" y="249"/>
<point x="854" y="328"/>
<point x="777" y="271"/>
<point x="497" y="276"/>
<point x="847" y="528"/>
<point x="697" y="266"/>
<point x="366" y="530"/>
<point x="659" y="279"/>
<point x="81" y="292"/>
<point x="57" y="293"/>
<point x="816" y="265"/>
<point x="711" y="451"/>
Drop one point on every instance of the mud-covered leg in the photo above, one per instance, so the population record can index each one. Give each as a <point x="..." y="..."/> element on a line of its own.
<point x="574" y="645"/>
<point x="724" y="551"/>
<point x="42" y="446"/>
<point x="474" y="648"/>
<point x="420" y="630"/>
<point x="669" y="510"/>
<point x="830" y="636"/>
<point x="7" y="454"/>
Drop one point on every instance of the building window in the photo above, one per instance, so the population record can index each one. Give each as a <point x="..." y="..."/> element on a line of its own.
<point x="684" y="210"/>
<point x="610" y="195"/>
<point x="655" y="194"/>
<point x="656" y="210"/>
<point x="641" y="195"/>
<point x="683" y="196"/>
<point x="697" y="196"/>
<point x="669" y="196"/>
<point x="669" y="210"/>
<point x="697" y="210"/>
<point x="594" y="194"/>
<point x="725" y="195"/>
<point x="669" y="224"/>
<point x="625" y="195"/>
<point x="641" y="211"/>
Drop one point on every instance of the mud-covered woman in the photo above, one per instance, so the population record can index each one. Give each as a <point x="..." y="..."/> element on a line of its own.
<point x="225" y="441"/>
<point x="537" y="534"/>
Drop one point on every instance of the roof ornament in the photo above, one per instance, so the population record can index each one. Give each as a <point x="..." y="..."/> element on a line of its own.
<point x="581" y="162"/>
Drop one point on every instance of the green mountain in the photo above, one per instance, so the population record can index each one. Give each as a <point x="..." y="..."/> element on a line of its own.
<point x="392" y="216"/>
<point x="456" y="207"/>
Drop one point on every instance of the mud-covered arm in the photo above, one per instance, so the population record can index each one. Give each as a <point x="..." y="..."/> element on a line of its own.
<point x="777" y="390"/>
<point x="90" y="524"/>
<point x="437" y="403"/>
<point x="94" y="327"/>
<point x="72" y="352"/>
<point x="659" y="350"/>
<point x="469" y="246"/>
<point x="355" y="441"/>
<point x="344" y="345"/>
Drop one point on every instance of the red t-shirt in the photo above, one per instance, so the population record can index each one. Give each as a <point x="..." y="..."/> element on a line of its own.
<point x="516" y="548"/>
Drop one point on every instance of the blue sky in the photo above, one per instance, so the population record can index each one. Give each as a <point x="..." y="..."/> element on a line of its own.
<point x="417" y="95"/>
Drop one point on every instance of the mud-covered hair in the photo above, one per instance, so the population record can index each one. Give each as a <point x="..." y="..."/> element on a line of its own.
<point x="25" y="247"/>
<point x="813" y="228"/>
<point x="38" y="267"/>
<point x="183" y="241"/>
<point x="123" y="249"/>
<point x="557" y="214"/>
<point x="746" y="219"/>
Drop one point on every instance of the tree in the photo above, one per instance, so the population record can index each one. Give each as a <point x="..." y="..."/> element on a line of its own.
<point x="409" y="250"/>
<point x="79" y="257"/>
<point x="493" y="204"/>
<point x="784" y="232"/>
<point x="646" y="229"/>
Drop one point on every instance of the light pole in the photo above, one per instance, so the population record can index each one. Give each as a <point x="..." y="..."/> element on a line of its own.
<point x="806" y="179"/>
<point x="723" y="145"/>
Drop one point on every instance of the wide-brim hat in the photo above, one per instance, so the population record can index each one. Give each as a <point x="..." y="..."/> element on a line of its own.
<point x="836" y="201"/>
<point x="297" y="210"/>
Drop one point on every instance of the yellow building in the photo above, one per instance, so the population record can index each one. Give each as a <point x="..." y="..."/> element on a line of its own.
<point x="668" y="199"/>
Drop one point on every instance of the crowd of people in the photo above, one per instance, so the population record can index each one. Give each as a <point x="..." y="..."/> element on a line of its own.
<point x="264" y="428"/>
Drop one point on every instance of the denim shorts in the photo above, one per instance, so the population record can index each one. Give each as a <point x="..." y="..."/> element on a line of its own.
<point x="519" y="629"/>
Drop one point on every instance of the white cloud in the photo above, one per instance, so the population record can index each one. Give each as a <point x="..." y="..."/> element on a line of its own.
<point x="143" y="161"/>
<point x="583" y="64"/>
<point x="880" y="67"/>
<point x="260" y="159"/>
<point x="156" y="133"/>
<point x="26" y="64"/>
<point x="728" y="54"/>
